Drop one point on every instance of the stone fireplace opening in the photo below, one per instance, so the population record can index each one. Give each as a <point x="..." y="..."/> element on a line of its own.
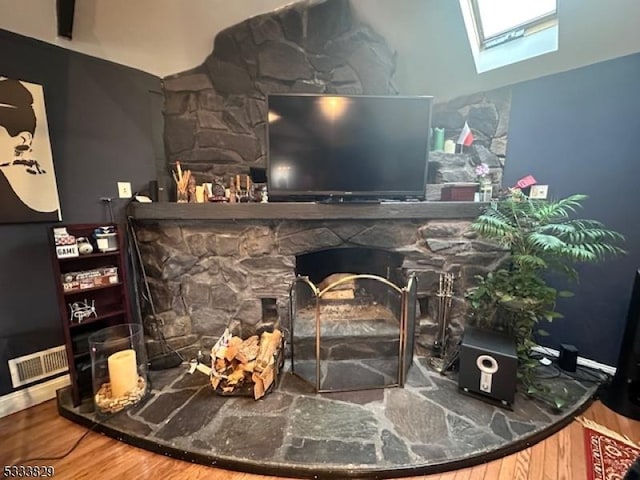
<point x="352" y="319"/>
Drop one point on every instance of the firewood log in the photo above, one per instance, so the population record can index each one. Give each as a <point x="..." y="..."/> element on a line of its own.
<point x="267" y="376"/>
<point x="248" y="350"/>
<point x="258" y="386"/>
<point x="269" y="343"/>
<point x="339" y="295"/>
<point x="219" y="352"/>
<point x="235" y="376"/>
<point x="232" y="349"/>
<point x="249" y="367"/>
<point x="334" y="277"/>
<point x="219" y="365"/>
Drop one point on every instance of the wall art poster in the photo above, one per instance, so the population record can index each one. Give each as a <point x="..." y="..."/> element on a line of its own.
<point x="28" y="190"/>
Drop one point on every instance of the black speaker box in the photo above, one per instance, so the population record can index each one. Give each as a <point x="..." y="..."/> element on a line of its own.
<point x="568" y="358"/>
<point x="153" y="190"/>
<point x="488" y="366"/>
<point x="623" y="394"/>
<point x="162" y="189"/>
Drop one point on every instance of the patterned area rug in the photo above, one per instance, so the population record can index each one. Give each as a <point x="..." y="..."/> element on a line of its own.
<point x="609" y="454"/>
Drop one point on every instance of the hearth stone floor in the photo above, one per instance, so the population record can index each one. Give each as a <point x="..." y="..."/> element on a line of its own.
<point x="425" y="427"/>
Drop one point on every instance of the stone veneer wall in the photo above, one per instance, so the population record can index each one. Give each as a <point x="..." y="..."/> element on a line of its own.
<point x="215" y="115"/>
<point x="206" y="276"/>
<point x="487" y="114"/>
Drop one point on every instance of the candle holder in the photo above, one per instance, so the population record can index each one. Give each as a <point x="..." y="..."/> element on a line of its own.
<point x="118" y="367"/>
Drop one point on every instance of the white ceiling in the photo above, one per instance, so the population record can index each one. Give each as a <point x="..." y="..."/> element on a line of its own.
<point x="163" y="37"/>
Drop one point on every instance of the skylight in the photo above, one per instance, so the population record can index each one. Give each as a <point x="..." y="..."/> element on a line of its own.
<point x="503" y="32"/>
<point x="497" y="17"/>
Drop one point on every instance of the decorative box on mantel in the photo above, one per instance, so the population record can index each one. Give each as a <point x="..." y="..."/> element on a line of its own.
<point x="461" y="192"/>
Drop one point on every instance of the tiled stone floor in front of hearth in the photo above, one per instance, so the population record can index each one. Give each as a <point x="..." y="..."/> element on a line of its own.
<point x="295" y="432"/>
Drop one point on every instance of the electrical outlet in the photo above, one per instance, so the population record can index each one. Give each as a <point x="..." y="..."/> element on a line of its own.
<point x="539" y="192"/>
<point x="124" y="189"/>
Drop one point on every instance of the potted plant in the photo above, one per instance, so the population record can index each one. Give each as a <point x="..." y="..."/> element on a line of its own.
<point x="542" y="237"/>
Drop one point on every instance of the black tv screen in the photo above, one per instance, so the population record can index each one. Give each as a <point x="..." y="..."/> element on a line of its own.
<point x="347" y="147"/>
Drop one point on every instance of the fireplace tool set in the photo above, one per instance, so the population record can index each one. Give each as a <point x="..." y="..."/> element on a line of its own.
<point x="440" y="345"/>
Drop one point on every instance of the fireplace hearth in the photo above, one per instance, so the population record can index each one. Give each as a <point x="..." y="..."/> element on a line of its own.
<point x="423" y="428"/>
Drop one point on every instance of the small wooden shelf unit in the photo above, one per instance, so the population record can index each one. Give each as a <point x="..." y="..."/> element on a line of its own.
<point x="111" y="302"/>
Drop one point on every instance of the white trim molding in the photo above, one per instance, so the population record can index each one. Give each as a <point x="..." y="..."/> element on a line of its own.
<point x="583" y="362"/>
<point x="31" y="396"/>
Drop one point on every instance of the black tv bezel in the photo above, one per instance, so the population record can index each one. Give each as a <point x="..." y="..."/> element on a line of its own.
<point x="340" y="195"/>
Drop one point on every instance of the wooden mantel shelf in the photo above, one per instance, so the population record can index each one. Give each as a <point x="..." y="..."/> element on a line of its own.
<point x="304" y="211"/>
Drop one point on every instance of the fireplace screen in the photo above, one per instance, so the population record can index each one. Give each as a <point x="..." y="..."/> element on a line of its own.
<point x="352" y="332"/>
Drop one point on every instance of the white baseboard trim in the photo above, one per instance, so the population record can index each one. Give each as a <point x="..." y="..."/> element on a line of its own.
<point x="584" y="362"/>
<point x="28" y="397"/>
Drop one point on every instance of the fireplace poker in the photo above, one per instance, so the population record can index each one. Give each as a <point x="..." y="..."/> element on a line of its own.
<point x="437" y="344"/>
<point x="445" y="299"/>
<point x="448" y="298"/>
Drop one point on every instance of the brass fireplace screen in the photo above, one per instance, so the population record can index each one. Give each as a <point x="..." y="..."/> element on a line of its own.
<point x="354" y="333"/>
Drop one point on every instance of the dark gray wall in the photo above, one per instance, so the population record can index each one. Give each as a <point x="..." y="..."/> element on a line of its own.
<point x="101" y="117"/>
<point x="578" y="132"/>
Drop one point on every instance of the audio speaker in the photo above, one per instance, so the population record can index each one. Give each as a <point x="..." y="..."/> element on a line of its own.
<point x="623" y="394"/>
<point x="153" y="190"/>
<point x="65" y="10"/>
<point x="488" y="366"/>
<point x="162" y="189"/>
<point x="568" y="358"/>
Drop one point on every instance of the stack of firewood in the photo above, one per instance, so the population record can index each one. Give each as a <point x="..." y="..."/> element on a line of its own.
<point x="238" y="363"/>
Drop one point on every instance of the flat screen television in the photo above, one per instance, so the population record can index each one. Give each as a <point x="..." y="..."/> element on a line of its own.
<point x="338" y="147"/>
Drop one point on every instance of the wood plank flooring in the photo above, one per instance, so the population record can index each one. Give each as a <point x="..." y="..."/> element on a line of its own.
<point x="39" y="432"/>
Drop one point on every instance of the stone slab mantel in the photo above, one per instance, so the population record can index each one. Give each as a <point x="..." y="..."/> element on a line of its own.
<point x="304" y="211"/>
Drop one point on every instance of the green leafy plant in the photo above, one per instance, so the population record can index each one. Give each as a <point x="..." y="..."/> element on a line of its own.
<point x="542" y="237"/>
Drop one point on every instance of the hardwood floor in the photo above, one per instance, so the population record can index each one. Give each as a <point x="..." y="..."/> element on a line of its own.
<point x="40" y="432"/>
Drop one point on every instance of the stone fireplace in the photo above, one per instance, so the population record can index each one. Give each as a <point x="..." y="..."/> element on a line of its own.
<point x="219" y="269"/>
<point x="213" y="266"/>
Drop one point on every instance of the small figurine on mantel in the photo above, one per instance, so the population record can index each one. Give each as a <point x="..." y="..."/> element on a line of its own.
<point x="243" y="188"/>
<point x="191" y="190"/>
<point x="231" y="192"/>
<point x="218" y="190"/>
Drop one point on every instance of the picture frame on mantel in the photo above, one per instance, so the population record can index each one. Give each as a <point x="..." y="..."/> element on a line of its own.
<point x="28" y="188"/>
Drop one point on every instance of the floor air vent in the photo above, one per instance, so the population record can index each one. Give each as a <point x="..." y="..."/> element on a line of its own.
<point x="39" y="365"/>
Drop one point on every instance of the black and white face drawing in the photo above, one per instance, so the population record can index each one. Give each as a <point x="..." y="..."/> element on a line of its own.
<point x="28" y="191"/>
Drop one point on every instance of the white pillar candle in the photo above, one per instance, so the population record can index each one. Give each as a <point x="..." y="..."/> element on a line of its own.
<point x="123" y="372"/>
